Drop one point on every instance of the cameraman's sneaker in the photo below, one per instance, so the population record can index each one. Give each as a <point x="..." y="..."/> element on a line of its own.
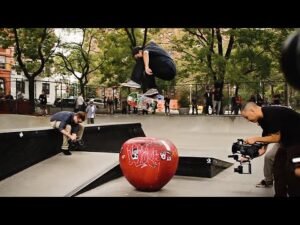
<point x="131" y="84"/>
<point x="264" y="184"/>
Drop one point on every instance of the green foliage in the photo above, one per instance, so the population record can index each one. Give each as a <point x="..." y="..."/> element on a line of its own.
<point x="117" y="61"/>
<point x="34" y="48"/>
<point x="257" y="52"/>
<point x="82" y="59"/>
<point x="254" y="55"/>
<point x="184" y="99"/>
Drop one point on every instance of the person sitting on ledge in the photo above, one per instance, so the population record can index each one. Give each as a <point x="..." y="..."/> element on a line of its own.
<point x="69" y="124"/>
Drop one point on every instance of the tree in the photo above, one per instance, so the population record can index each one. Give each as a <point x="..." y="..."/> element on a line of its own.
<point x="207" y="51"/>
<point x="133" y="37"/>
<point x="246" y="55"/>
<point x="81" y="59"/>
<point x="34" y="48"/>
<point x="255" y="58"/>
<point x="118" y="62"/>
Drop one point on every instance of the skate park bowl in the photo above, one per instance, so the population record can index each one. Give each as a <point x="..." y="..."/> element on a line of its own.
<point x="32" y="165"/>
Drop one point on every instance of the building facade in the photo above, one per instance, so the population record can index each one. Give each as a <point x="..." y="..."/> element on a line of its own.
<point x="6" y="62"/>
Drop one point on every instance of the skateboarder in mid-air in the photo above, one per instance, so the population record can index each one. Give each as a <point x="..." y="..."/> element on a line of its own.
<point x="151" y="61"/>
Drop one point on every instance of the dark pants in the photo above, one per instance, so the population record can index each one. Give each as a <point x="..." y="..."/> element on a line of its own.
<point x="293" y="180"/>
<point x="280" y="179"/>
<point x="206" y="107"/>
<point x="286" y="182"/>
<point x="90" y="121"/>
<point x="162" y="68"/>
<point x="194" y="108"/>
<point x="167" y="109"/>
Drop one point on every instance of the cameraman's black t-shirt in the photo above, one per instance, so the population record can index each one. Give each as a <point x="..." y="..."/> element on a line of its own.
<point x="281" y="119"/>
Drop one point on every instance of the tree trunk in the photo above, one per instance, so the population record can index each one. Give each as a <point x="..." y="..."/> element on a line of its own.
<point x="236" y="91"/>
<point x="82" y="88"/>
<point x="31" y="94"/>
<point x="263" y="91"/>
<point x="272" y="90"/>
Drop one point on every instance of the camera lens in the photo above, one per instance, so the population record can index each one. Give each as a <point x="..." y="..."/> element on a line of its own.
<point x="235" y="148"/>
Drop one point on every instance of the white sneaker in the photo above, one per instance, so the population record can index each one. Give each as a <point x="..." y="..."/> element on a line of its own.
<point x="132" y="84"/>
<point x="152" y="91"/>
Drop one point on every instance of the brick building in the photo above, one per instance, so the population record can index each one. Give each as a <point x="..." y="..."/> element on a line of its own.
<point x="6" y="60"/>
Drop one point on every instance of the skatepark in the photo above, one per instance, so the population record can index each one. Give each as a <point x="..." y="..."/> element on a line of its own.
<point x="194" y="136"/>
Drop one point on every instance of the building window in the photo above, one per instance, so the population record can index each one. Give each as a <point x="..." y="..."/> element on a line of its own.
<point x="20" y="86"/>
<point x="46" y="88"/>
<point x="2" y="87"/>
<point x="2" y="62"/>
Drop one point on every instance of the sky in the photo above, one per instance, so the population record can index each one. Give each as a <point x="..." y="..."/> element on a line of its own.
<point x="68" y="36"/>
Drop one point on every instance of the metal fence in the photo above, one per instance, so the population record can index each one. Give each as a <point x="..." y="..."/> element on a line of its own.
<point x="267" y="90"/>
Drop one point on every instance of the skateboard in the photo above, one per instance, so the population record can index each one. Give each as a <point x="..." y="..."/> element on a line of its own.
<point x="142" y="102"/>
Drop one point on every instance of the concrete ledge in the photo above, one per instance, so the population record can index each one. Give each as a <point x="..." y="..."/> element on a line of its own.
<point x="25" y="147"/>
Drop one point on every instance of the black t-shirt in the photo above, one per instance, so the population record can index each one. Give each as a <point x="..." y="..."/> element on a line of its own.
<point x="217" y="95"/>
<point x="158" y="56"/>
<point x="156" y="51"/>
<point x="281" y="119"/>
<point x="43" y="99"/>
<point x="167" y="101"/>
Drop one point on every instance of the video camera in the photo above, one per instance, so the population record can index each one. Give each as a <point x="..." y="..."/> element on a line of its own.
<point x="243" y="153"/>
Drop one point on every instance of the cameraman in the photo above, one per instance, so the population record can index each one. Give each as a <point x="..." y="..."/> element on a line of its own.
<point x="280" y="125"/>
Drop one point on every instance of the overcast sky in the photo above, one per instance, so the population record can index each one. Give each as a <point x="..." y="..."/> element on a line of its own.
<point x="68" y="36"/>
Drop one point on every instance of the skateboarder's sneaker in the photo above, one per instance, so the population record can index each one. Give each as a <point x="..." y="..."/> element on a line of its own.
<point x="151" y="92"/>
<point x="131" y="84"/>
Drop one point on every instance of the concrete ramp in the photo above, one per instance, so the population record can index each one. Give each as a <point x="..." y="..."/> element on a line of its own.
<point x="59" y="175"/>
<point x="24" y="147"/>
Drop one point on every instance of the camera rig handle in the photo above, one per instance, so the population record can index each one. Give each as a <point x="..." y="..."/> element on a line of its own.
<point x="242" y="161"/>
<point x="249" y="166"/>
